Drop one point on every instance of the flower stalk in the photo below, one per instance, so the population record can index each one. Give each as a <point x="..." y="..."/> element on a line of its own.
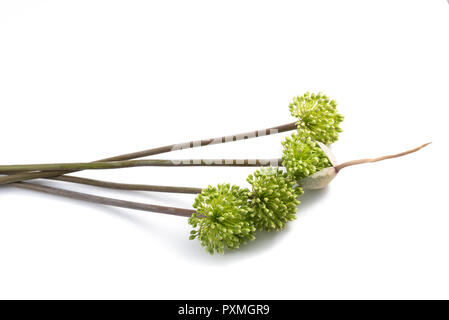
<point x="127" y="186"/>
<point x="142" y="163"/>
<point x="42" y="168"/>
<point x="104" y="200"/>
<point x="160" y="150"/>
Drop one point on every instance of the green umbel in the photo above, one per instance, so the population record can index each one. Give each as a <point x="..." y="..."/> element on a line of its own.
<point x="223" y="218"/>
<point x="317" y="117"/>
<point x="302" y="157"/>
<point x="273" y="198"/>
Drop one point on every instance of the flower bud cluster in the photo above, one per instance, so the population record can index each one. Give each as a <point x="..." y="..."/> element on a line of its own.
<point x="273" y="198"/>
<point x="317" y="117"/>
<point x="223" y="218"/>
<point x="303" y="156"/>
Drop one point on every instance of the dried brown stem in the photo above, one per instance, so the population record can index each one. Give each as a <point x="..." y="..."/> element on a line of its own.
<point x="361" y="161"/>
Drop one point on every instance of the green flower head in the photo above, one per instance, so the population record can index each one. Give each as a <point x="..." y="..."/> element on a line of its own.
<point x="317" y="117"/>
<point x="223" y="218"/>
<point x="273" y="198"/>
<point x="303" y="156"/>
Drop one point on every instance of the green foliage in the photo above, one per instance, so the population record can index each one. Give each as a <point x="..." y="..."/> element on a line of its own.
<point x="302" y="157"/>
<point x="317" y="117"/>
<point x="273" y="198"/>
<point x="223" y="218"/>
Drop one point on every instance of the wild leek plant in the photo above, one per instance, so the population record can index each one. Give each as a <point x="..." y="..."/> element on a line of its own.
<point x="228" y="216"/>
<point x="225" y="216"/>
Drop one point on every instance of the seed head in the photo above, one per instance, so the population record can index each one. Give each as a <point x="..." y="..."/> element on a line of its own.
<point x="223" y="218"/>
<point x="273" y="198"/>
<point x="317" y="117"/>
<point x="303" y="156"/>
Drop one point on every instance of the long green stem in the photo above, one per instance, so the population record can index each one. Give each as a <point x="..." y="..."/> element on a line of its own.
<point x="128" y="164"/>
<point x="126" y="186"/>
<point x="160" y="150"/>
<point x="106" y="201"/>
<point x="122" y="186"/>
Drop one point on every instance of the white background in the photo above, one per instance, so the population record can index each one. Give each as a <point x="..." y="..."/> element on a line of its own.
<point x="84" y="80"/>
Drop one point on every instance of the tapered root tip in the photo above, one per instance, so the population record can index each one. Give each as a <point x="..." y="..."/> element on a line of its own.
<point x="361" y="161"/>
<point x="424" y="145"/>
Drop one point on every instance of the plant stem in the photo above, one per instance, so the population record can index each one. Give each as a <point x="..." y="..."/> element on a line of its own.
<point x="125" y="186"/>
<point x="106" y="201"/>
<point x="128" y="164"/>
<point x="368" y="160"/>
<point x="173" y="147"/>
